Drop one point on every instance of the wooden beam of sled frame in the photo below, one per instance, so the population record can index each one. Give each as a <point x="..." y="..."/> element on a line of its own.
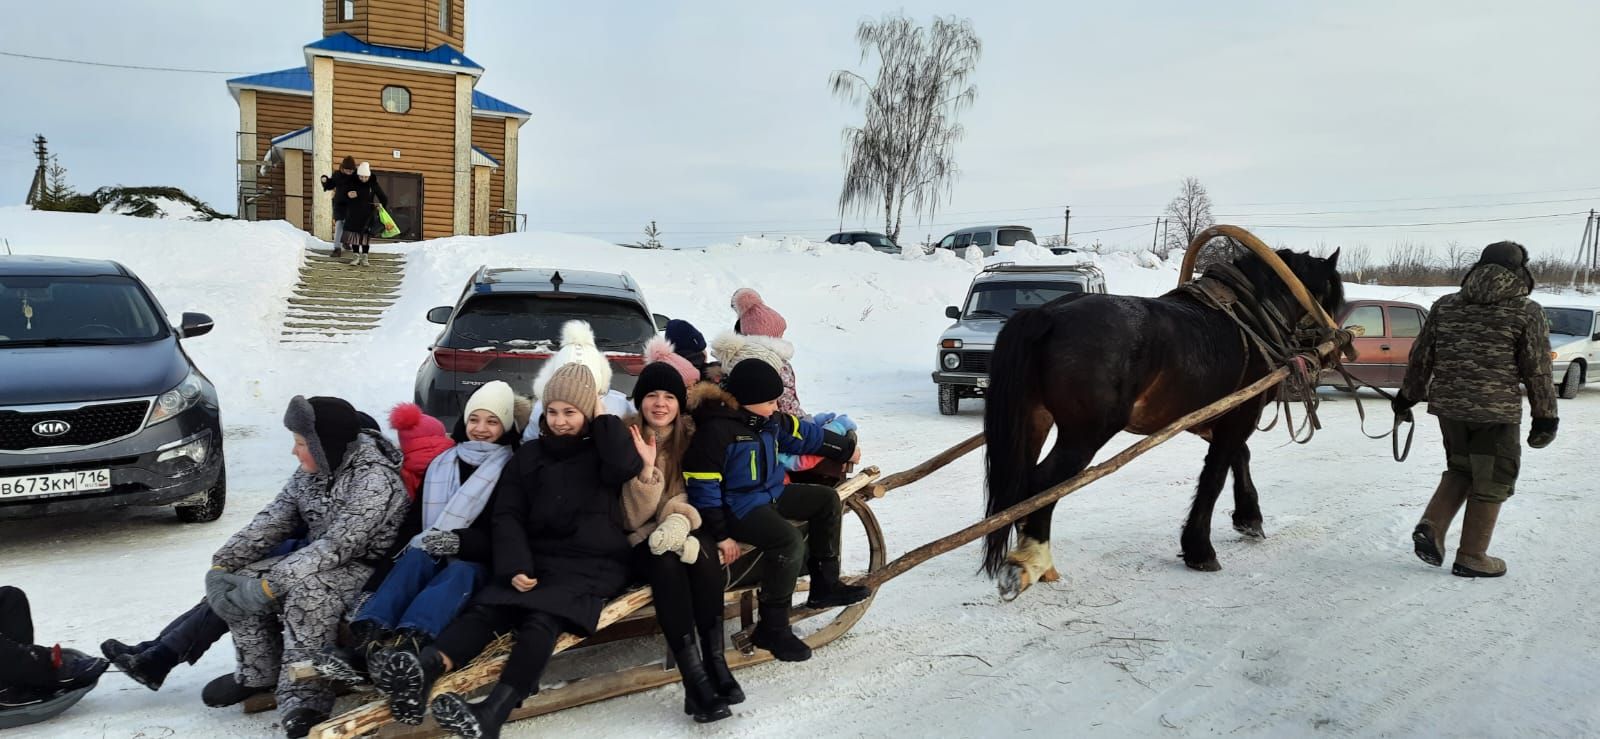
<point x="483" y="671"/>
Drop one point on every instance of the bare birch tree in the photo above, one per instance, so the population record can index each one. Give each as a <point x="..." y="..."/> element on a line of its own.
<point x="905" y="149"/>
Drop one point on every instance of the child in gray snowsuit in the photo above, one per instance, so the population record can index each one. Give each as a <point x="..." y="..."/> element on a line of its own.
<point x="283" y="609"/>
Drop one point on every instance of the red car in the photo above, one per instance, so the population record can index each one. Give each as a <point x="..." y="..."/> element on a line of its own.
<point x="1384" y="333"/>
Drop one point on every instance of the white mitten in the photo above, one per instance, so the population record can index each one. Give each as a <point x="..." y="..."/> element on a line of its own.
<point x="691" y="550"/>
<point x="671" y="536"/>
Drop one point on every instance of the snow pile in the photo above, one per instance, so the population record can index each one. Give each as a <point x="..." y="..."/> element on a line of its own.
<point x="168" y="208"/>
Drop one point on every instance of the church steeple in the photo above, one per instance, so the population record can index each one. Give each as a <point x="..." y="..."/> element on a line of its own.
<point x="406" y="24"/>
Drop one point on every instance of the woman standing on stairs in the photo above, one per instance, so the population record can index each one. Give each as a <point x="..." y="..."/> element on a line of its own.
<point x="362" y="197"/>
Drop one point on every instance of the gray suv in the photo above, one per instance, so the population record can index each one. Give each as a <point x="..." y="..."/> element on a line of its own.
<point x="507" y="322"/>
<point x="962" y="362"/>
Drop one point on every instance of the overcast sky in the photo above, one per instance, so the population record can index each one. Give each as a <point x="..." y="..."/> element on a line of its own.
<point x="714" y="118"/>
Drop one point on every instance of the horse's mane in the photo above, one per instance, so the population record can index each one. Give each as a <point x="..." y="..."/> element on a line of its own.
<point x="1315" y="273"/>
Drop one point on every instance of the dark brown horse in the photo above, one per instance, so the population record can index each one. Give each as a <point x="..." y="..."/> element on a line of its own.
<point x="1093" y="365"/>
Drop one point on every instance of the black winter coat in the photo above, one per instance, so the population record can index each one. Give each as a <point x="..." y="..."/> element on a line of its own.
<point x="361" y="211"/>
<point x="558" y="520"/>
<point x="339" y="183"/>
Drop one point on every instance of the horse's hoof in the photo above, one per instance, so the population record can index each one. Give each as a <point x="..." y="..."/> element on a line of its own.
<point x="1210" y="565"/>
<point x="1050" y="575"/>
<point x="1012" y="581"/>
<point x="1251" y="530"/>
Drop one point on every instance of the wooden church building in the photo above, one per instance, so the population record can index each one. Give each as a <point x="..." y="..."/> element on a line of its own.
<point x="390" y="84"/>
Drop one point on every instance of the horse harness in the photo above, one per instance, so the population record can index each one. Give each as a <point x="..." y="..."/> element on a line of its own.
<point x="1262" y="325"/>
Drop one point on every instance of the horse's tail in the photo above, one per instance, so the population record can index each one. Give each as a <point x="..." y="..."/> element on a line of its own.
<point x="1008" y="408"/>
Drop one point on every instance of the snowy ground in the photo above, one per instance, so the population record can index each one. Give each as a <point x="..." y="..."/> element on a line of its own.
<point x="1329" y="625"/>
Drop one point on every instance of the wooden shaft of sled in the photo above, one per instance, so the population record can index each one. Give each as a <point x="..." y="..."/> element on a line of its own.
<point x="1015" y="513"/>
<point x="1186" y="272"/>
<point x="375" y="714"/>
<point x="902" y="479"/>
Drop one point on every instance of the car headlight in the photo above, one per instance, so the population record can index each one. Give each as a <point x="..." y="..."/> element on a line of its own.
<point x="179" y="399"/>
<point x="191" y="454"/>
<point x="951" y="360"/>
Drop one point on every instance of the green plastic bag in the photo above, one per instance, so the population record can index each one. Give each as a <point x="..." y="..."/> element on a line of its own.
<point x="390" y="230"/>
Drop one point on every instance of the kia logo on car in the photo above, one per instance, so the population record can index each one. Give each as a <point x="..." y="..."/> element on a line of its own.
<point x="49" y="429"/>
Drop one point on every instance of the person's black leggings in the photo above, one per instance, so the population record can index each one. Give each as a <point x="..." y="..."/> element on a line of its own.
<point x="535" y="632"/>
<point x="781" y="545"/>
<point x="21" y="663"/>
<point x="687" y="597"/>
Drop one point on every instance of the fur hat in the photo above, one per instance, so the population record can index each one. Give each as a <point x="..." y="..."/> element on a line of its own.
<point x="577" y="345"/>
<point x="572" y="384"/>
<point x="732" y="348"/>
<point x="754" y="382"/>
<point x="686" y="339"/>
<point x="422" y="437"/>
<point x="662" y="350"/>
<point x="365" y="170"/>
<point x="328" y="425"/>
<point x="495" y="397"/>
<point x="756" y="318"/>
<point x="1508" y="254"/>
<point x="349" y="162"/>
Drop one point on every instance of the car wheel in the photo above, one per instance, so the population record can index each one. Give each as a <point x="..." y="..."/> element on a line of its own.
<point x="1569" y="383"/>
<point x="949" y="402"/>
<point x="209" y="507"/>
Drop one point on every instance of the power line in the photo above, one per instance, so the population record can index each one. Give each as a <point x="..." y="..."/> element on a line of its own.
<point x="111" y="65"/>
<point x="1431" y="223"/>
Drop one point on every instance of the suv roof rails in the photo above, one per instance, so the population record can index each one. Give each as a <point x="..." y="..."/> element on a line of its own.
<point x="1014" y="267"/>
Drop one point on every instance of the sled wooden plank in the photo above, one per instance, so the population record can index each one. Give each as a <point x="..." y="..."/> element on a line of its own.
<point x="480" y="672"/>
<point x="938" y="462"/>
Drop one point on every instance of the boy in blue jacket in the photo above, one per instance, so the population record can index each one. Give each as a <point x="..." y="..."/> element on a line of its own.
<point x="734" y="478"/>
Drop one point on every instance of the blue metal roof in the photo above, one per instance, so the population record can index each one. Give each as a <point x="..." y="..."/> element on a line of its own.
<point x="487" y="155"/>
<point x="298" y="78"/>
<point x="441" y="54"/>
<point x="492" y="104"/>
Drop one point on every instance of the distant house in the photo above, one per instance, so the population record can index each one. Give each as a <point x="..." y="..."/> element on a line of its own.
<point x="389" y="84"/>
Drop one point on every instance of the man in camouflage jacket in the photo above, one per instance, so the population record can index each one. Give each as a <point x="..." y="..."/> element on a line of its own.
<point x="1476" y="348"/>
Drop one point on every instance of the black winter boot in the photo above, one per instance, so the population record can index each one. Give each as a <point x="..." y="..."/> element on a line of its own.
<point x="700" y="698"/>
<point x="826" y="589"/>
<point x="481" y="721"/>
<point x="225" y="691"/>
<point x="407" y="678"/>
<point x="774" y="635"/>
<point x="149" y="667"/>
<point x="298" y="723"/>
<point x="352" y="664"/>
<point x="712" y="645"/>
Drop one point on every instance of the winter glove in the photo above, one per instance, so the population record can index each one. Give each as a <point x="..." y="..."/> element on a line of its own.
<point x="673" y="536"/>
<point x="217" y="584"/>
<point x="1543" y="432"/>
<point x="249" y="597"/>
<point x="440" y="543"/>
<point x="1402" y="407"/>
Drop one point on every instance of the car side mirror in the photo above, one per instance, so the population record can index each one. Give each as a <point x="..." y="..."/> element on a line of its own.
<point x="195" y="324"/>
<point x="952" y="312"/>
<point x="661" y="321"/>
<point x="439" y="315"/>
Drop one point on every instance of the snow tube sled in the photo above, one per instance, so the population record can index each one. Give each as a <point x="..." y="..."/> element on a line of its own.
<point x="24" y="710"/>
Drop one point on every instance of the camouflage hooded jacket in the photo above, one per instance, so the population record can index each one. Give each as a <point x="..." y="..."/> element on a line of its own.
<point x="1478" y="345"/>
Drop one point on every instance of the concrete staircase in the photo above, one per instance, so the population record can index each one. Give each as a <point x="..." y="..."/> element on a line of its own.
<point x="335" y="300"/>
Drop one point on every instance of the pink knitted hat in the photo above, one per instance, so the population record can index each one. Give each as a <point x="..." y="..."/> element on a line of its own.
<point x="661" y="350"/>
<point x="756" y="318"/>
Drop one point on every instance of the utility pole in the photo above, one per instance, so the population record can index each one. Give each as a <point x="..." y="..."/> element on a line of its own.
<point x="36" y="190"/>
<point x="1066" y="228"/>
<point x="1154" y="235"/>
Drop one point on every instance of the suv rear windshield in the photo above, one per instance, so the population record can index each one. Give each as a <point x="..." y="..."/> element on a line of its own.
<point x="518" y="319"/>
<point x="876" y="241"/>
<point x="76" y="310"/>
<point x="1010" y="236"/>
<point x="1003" y="299"/>
<point x="1569" y="322"/>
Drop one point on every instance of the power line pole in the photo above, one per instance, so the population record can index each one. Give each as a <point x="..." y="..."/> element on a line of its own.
<point x="1154" y="235"/>
<point x="1066" y="228"/>
<point x="36" y="190"/>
